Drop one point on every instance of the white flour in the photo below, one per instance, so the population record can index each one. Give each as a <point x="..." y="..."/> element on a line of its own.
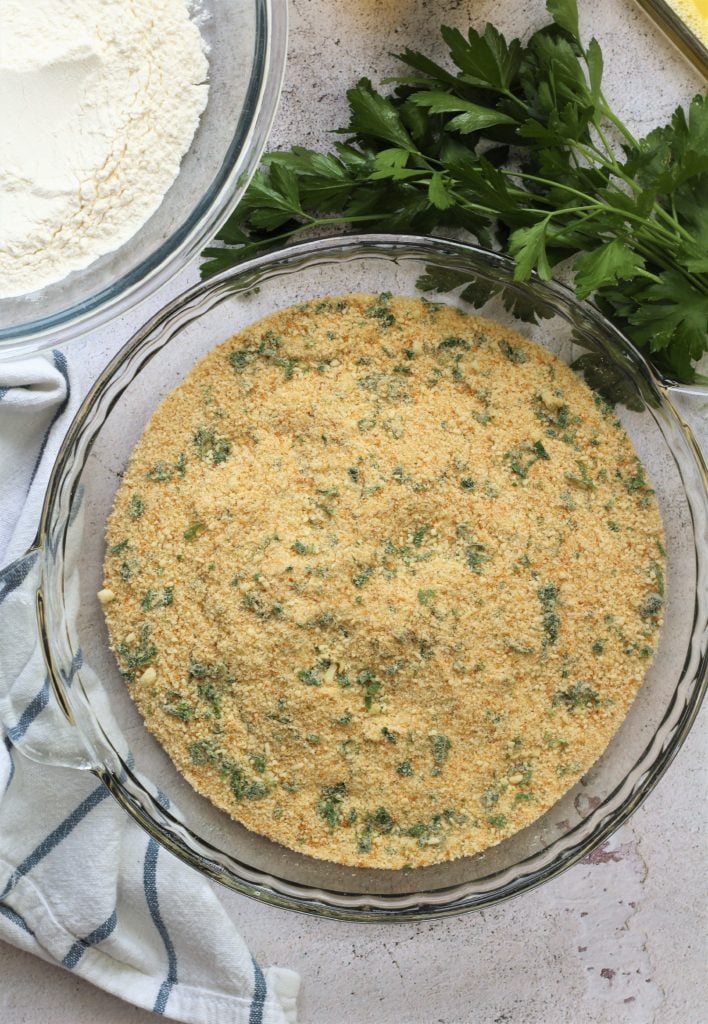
<point x="99" y="101"/>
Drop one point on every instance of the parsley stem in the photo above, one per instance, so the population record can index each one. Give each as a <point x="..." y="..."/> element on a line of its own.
<point x="319" y="222"/>
<point x="570" y="210"/>
<point x="469" y="205"/>
<point x="610" y="163"/>
<point x="643" y="221"/>
<point x="648" y="275"/>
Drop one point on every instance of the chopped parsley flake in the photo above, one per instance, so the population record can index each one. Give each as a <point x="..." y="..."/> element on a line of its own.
<point x="475" y="557"/>
<point x="329" y="806"/>
<point x="440" y="746"/>
<point x="360" y="578"/>
<point x="210" y="447"/>
<point x="193" y="530"/>
<point x="512" y="353"/>
<point x="380" y="311"/>
<point x="578" y="695"/>
<point x="497" y="820"/>
<point x="136" y="507"/>
<point x="651" y="606"/>
<point x="548" y="596"/>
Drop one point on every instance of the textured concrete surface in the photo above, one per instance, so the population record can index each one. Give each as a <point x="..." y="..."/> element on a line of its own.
<point x="619" y="939"/>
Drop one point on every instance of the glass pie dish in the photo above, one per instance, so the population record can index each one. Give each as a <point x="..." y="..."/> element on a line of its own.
<point x="245" y="43"/>
<point x="50" y="593"/>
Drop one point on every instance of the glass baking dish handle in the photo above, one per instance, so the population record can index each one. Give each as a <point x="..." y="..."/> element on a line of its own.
<point x="34" y="714"/>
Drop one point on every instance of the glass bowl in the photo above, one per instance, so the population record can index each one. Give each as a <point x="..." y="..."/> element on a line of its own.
<point x="52" y="590"/>
<point x="245" y="42"/>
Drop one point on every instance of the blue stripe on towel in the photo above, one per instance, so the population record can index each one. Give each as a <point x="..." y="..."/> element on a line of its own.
<point x="14" y="575"/>
<point x="54" y="838"/>
<point x="259" y="994"/>
<point x="92" y="939"/>
<point x="8" y="747"/>
<point x="16" y="918"/>
<point x="34" y="708"/>
<point x="150" y="885"/>
<point x="3" y="392"/>
<point x="63" y="367"/>
<point x="77" y="661"/>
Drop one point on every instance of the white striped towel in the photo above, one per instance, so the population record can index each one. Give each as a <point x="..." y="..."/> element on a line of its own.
<point x="81" y="885"/>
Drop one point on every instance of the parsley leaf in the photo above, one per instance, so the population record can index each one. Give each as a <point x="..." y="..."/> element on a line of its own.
<point x="609" y="263"/>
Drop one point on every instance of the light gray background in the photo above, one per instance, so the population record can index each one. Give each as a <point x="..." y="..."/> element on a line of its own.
<point x="619" y="939"/>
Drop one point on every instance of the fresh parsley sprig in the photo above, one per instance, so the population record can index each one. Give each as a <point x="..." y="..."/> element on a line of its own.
<point x="519" y="146"/>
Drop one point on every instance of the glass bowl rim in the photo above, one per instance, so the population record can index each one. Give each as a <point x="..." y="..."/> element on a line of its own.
<point x="443" y="901"/>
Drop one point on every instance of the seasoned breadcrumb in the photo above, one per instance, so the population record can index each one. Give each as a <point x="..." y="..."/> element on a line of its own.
<point x="383" y="579"/>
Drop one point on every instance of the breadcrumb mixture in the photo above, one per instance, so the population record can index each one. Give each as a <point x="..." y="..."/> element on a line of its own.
<point x="383" y="579"/>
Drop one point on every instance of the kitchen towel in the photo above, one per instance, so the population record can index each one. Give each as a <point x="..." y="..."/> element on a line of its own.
<point x="81" y="885"/>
